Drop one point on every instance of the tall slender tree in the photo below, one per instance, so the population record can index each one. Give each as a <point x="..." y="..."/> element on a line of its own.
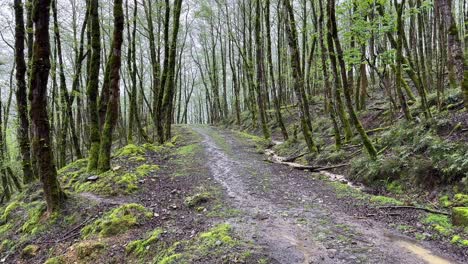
<point x="93" y="85"/>
<point x="41" y="138"/>
<point x="21" y="95"/>
<point x="114" y="88"/>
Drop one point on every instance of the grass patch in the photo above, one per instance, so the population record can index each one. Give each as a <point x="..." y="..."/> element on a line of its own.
<point x="141" y="246"/>
<point x="384" y="200"/>
<point x="117" y="221"/>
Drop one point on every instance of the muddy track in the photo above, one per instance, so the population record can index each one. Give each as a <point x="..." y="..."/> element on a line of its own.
<point x="294" y="220"/>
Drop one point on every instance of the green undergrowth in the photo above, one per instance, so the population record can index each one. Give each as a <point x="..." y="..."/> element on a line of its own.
<point x="415" y="155"/>
<point x="117" y="221"/>
<point x="119" y="180"/>
<point x="260" y="143"/>
<point x="141" y="246"/>
<point x="87" y="251"/>
<point x="218" y="243"/>
<point x="24" y="219"/>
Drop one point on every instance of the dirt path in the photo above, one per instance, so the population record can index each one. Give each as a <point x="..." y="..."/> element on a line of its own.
<point x="296" y="218"/>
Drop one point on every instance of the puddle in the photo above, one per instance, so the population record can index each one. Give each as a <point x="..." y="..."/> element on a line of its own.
<point x="422" y="253"/>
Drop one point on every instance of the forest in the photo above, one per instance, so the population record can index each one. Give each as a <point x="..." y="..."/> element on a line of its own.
<point x="233" y="131"/>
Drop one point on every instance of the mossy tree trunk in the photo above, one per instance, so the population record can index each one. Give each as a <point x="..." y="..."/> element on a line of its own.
<point x="328" y="98"/>
<point x="114" y="89"/>
<point x="169" y="90"/>
<point x="38" y="112"/>
<point x="347" y="93"/>
<point x="159" y="106"/>
<point x="67" y="115"/>
<point x="399" y="60"/>
<point x="93" y="85"/>
<point x="260" y="82"/>
<point x="298" y="76"/>
<point x="21" y="95"/>
<point x="465" y="73"/>
<point x="276" y="102"/>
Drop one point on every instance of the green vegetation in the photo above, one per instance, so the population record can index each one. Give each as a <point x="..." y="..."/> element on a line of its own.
<point x="383" y="200"/>
<point x="198" y="199"/>
<point x="145" y="169"/>
<point x="460" y="216"/>
<point x="140" y="247"/>
<point x="117" y="221"/>
<point x="89" y="249"/>
<point x="440" y="223"/>
<point x="415" y="154"/>
<point x="130" y="150"/>
<point x="187" y="150"/>
<point x="29" y="251"/>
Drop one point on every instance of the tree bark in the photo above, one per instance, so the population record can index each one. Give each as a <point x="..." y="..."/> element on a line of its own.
<point x="21" y="95"/>
<point x="38" y="98"/>
<point x="114" y="89"/>
<point x="93" y="85"/>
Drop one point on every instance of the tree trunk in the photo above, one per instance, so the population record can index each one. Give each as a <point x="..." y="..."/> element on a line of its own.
<point x="93" y="86"/>
<point x="38" y="97"/>
<point x="114" y="88"/>
<point x="21" y="95"/>
<point x="304" y="113"/>
<point x="339" y="52"/>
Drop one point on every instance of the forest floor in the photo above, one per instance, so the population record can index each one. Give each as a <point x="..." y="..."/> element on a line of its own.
<point x="214" y="198"/>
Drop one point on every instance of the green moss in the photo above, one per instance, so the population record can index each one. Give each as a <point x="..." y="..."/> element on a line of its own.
<point x="55" y="260"/>
<point x="137" y="159"/>
<point x="395" y="187"/>
<point x="145" y="169"/>
<point x="129" y="180"/>
<point x="35" y="211"/>
<point x="438" y="219"/>
<point x="140" y="247"/>
<point x="460" y="199"/>
<point x="170" y="259"/>
<point x="217" y="236"/>
<point x="440" y="223"/>
<point x="187" y="150"/>
<point x="6" y="245"/>
<point x="130" y="150"/>
<point x="343" y="190"/>
<point x="76" y="165"/>
<point x="153" y="147"/>
<point x="384" y="200"/>
<point x="117" y="221"/>
<point x="455" y="239"/>
<point x="89" y="250"/>
<point x="460" y="216"/>
<point x="445" y="201"/>
<point x="109" y="183"/>
<point x="442" y="230"/>
<point x="29" y="251"/>
<point x="260" y="143"/>
<point x="9" y="209"/>
<point x="198" y="199"/>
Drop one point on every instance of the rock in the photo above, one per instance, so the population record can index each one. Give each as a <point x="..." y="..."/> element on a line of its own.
<point x="218" y="243"/>
<point x="156" y="215"/>
<point x="92" y="178"/>
<point x="116" y="168"/>
<point x="173" y="206"/>
<point x="460" y="216"/>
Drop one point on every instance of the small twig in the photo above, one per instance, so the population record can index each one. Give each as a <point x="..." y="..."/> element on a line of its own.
<point x="415" y="208"/>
